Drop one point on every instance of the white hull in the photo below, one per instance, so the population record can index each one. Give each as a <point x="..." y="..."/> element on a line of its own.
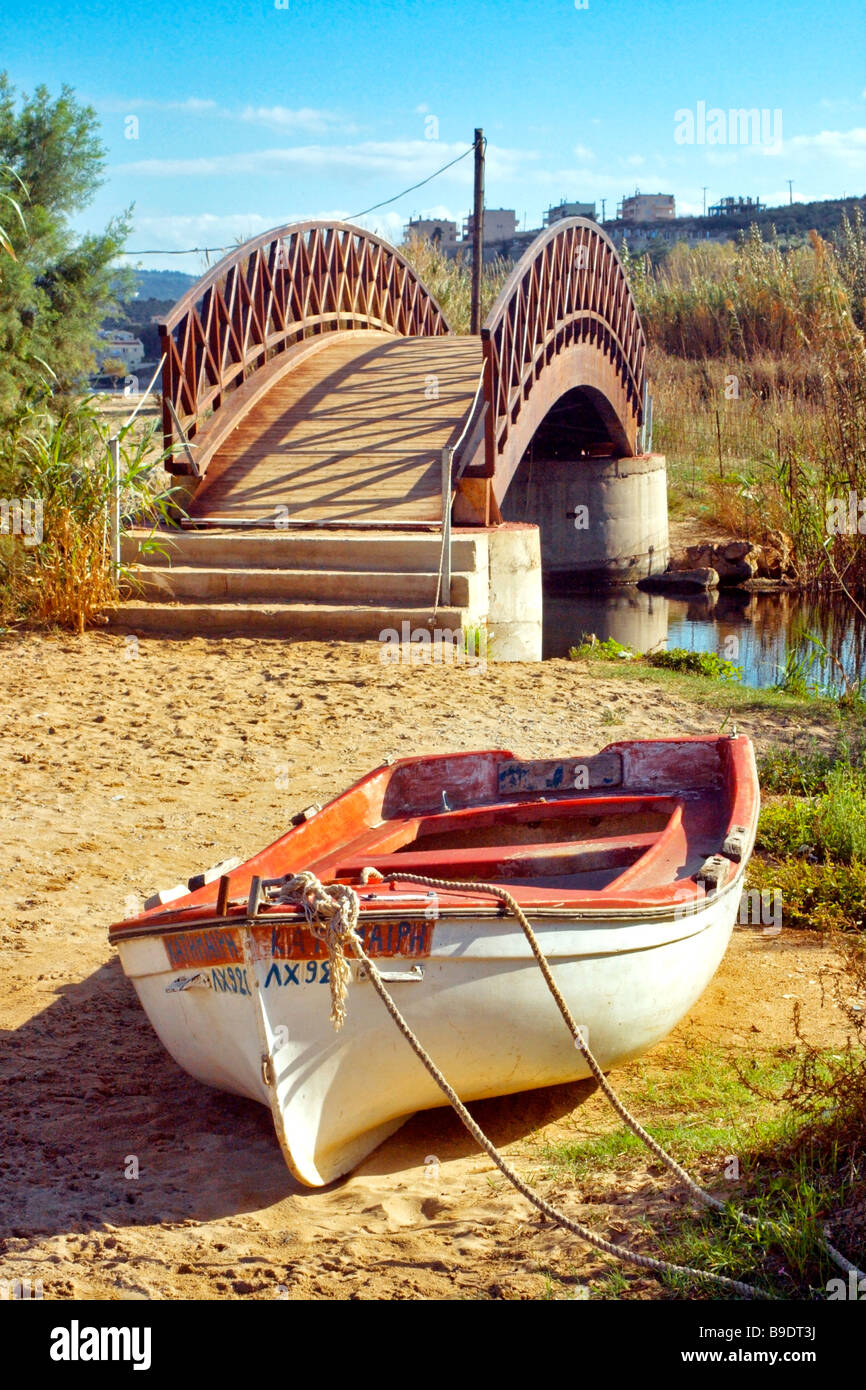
<point x="481" y="1009"/>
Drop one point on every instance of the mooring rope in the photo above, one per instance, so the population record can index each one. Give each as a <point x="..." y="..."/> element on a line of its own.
<point x="634" y="1125"/>
<point x="332" y="915"/>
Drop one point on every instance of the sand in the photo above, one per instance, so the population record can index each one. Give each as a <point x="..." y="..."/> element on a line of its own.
<point x="128" y="765"/>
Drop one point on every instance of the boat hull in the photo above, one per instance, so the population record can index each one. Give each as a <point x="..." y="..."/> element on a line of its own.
<point x="246" y="1013"/>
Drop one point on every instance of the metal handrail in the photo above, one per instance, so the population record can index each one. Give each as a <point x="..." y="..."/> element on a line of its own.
<point x="443" y="579"/>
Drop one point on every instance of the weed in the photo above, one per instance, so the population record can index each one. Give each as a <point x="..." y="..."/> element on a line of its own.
<point x="697" y="663"/>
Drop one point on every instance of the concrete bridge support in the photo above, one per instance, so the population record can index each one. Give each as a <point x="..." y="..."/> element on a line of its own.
<point x="600" y="519"/>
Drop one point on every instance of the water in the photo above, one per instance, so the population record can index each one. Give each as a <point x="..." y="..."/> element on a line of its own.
<point x="755" y="631"/>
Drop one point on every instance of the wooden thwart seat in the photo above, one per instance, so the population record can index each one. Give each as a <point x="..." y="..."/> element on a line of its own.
<point x="507" y="861"/>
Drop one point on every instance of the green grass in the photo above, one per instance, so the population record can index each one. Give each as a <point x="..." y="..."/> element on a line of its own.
<point x="830" y="826"/>
<point x="815" y="897"/>
<point x="729" y="697"/>
<point x="811" y="841"/>
<point x="783" y="1255"/>
<point x="708" y="1112"/>
<point x="708" y="664"/>
<point x="609" y="650"/>
<point x="697" y="1108"/>
<point x="677" y="659"/>
<point x="800" y="768"/>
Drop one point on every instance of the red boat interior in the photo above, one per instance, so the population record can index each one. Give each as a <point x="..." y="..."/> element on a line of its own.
<point x="588" y="842"/>
<point x="635" y="825"/>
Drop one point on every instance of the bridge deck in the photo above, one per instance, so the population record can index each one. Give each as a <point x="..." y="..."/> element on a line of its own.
<point x="354" y="432"/>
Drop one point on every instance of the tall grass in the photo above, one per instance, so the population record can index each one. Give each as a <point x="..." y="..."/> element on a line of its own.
<point x="450" y="281"/>
<point x="758" y="360"/>
<point x="60" y="458"/>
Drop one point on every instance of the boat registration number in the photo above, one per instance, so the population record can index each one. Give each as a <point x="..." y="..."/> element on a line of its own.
<point x="299" y="972"/>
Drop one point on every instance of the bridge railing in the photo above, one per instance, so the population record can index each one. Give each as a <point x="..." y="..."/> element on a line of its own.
<point x="569" y="285"/>
<point x="273" y="292"/>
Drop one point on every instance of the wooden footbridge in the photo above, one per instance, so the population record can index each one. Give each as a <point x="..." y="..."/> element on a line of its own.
<point x="312" y="376"/>
<point x="311" y="381"/>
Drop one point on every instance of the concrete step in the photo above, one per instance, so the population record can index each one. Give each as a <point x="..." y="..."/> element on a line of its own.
<point x="315" y="620"/>
<point x="355" y="551"/>
<point x="159" y="584"/>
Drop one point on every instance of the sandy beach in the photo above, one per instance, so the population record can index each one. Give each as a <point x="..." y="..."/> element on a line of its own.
<point x="128" y="764"/>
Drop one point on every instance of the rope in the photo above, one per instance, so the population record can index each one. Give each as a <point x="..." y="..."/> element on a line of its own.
<point x="332" y="915"/>
<point x="628" y="1119"/>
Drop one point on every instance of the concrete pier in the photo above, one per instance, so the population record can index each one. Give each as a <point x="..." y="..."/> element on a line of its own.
<point x="600" y="518"/>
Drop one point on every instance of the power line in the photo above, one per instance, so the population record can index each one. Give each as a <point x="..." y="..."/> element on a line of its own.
<point x="211" y="250"/>
<point x="385" y="204"/>
<point x="192" y="251"/>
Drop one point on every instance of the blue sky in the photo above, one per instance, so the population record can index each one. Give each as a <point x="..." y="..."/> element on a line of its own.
<point x="257" y="112"/>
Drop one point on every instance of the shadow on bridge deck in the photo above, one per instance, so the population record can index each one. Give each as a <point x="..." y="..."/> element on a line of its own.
<point x="354" y="432"/>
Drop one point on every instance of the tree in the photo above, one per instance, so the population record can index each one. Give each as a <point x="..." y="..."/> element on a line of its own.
<point x="55" y="287"/>
<point x="9" y="205"/>
<point x="115" y="367"/>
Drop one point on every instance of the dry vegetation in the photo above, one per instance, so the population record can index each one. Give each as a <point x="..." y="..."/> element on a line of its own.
<point x="758" y="362"/>
<point x="57" y="453"/>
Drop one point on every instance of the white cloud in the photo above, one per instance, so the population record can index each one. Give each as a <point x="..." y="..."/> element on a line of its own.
<point x="306" y="118"/>
<point x="223" y="232"/>
<point x="193" y="106"/>
<point x="581" y="152"/>
<point x="405" y="161"/>
<point x="178" y="232"/>
<point x="847" y="147"/>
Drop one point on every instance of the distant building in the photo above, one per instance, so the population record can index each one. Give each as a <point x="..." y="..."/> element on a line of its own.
<point x="735" y="207"/>
<point x="500" y="225"/>
<point x="558" y="214"/>
<point x="647" y="207"/>
<point x="117" y="343"/>
<point x="436" y="229"/>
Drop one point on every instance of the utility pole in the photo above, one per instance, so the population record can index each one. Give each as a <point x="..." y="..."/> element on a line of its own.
<point x="790" y="183"/>
<point x="603" y="206"/>
<point x="477" y="233"/>
<point x="705" y="199"/>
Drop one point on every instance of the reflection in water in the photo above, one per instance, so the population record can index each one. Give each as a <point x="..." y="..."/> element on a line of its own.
<point x="755" y="631"/>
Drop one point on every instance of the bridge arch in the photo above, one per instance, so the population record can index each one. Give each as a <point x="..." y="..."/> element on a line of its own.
<point x="311" y="373"/>
<point x="565" y="322"/>
<point x="263" y="307"/>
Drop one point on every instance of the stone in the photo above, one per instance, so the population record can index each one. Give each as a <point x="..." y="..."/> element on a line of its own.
<point x="704" y="578"/>
<point x="739" y="561"/>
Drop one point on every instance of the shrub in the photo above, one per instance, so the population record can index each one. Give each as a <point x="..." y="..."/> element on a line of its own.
<point x="696" y="663"/>
<point x="63" y="461"/>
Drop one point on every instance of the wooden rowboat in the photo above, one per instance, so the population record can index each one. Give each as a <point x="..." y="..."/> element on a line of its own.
<point x="628" y="864"/>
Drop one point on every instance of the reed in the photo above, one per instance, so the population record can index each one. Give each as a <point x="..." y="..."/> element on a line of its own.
<point x="59" y="458"/>
<point x="450" y="281"/>
<point x="758" y="363"/>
